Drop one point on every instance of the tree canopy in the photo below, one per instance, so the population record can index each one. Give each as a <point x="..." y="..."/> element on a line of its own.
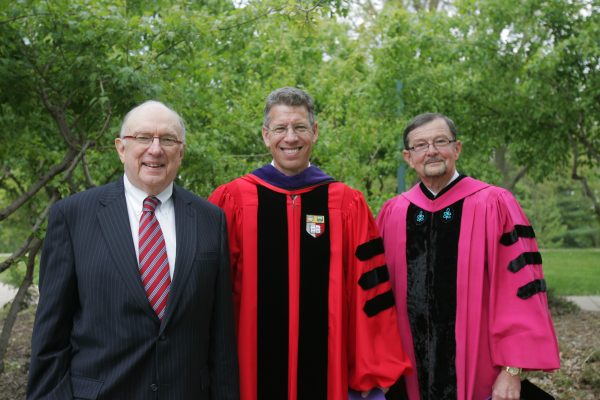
<point x="521" y="80"/>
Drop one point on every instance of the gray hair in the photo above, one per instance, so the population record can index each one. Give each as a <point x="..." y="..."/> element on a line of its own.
<point x="289" y="96"/>
<point x="153" y="103"/>
<point x="426" y="118"/>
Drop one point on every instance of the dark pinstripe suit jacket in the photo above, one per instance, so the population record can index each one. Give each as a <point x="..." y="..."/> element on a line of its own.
<point x="96" y="335"/>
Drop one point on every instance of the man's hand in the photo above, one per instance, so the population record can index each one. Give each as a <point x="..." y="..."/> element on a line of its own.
<point x="364" y="395"/>
<point x="506" y="387"/>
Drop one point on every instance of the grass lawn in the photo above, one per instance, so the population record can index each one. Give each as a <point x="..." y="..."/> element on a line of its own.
<point x="572" y="272"/>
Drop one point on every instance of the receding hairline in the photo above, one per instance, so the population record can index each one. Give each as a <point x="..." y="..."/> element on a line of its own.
<point x="291" y="97"/>
<point x="424" y="119"/>
<point x="150" y="104"/>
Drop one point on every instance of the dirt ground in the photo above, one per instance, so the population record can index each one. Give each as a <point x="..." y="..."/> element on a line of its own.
<point x="578" y="336"/>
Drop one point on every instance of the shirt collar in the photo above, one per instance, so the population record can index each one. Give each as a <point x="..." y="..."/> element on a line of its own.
<point x="138" y="196"/>
<point x="273" y="163"/>
<point x="456" y="175"/>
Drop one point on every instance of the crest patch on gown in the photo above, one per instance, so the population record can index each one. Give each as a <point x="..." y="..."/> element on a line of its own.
<point x="315" y="225"/>
<point x="447" y="215"/>
<point x="420" y="217"/>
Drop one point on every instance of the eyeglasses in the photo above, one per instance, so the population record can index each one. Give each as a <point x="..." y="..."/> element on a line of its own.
<point x="438" y="143"/>
<point x="147" y="140"/>
<point x="298" y="130"/>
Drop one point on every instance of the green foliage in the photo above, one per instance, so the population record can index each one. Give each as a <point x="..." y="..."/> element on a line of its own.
<point x="520" y="80"/>
<point x="14" y="276"/>
<point x="540" y="203"/>
<point x="574" y="272"/>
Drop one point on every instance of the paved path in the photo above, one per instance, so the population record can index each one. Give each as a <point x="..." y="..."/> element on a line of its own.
<point x="587" y="303"/>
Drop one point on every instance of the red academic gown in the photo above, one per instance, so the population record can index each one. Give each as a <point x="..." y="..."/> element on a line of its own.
<point x="313" y="300"/>
<point x="502" y="316"/>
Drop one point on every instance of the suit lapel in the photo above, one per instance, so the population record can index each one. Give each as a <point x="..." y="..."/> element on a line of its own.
<point x="114" y="223"/>
<point x="186" y="235"/>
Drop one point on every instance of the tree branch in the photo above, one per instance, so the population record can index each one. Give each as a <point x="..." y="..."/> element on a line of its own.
<point x="516" y="178"/>
<point x="8" y="174"/>
<point x="18" y="17"/>
<point x="18" y="301"/>
<point x="55" y="170"/>
<point x="59" y="118"/>
<point x="27" y="244"/>
<point x="588" y="145"/>
<point x="86" y="173"/>
<point x="251" y="20"/>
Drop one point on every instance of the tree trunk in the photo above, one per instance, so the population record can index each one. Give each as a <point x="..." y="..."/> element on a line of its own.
<point x="16" y="305"/>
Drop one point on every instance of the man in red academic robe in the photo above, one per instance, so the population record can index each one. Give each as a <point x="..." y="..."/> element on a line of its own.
<point x="467" y="277"/>
<point x="314" y="308"/>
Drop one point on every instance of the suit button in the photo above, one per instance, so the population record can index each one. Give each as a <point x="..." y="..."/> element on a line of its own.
<point x="162" y="337"/>
<point x="154" y="387"/>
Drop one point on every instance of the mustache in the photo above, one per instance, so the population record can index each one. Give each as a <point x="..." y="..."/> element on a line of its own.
<point x="433" y="160"/>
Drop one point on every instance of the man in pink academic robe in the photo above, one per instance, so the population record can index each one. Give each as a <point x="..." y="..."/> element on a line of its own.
<point x="467" y="277"/>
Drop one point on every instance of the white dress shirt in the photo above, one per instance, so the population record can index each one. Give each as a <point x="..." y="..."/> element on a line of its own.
<point x="454" y="177"/>
<point x="165" y="214"/>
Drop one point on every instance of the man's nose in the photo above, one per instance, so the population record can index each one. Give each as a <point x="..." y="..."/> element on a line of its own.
<point x="431" y="149"/>
<point x="155" y="146"/>
<point x="290" y="134"/>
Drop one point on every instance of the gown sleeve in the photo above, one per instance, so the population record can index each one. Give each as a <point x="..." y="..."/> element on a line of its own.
<point x="375" y="354"/>
<point x="521" y="330"/>
<point x="223" y="198"/>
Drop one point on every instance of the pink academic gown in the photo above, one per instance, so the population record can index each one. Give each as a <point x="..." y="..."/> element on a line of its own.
<point x="494" y="326"/>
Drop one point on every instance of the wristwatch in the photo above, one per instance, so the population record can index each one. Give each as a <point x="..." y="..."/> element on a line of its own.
<point x="513" y="371"/>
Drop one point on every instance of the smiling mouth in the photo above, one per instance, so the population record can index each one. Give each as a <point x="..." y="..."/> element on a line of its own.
<point x="153" y="165"/>
<point x="291" y="151"/>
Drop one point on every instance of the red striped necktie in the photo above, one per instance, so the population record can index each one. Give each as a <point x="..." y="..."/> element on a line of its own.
<point x="154" y="264"/>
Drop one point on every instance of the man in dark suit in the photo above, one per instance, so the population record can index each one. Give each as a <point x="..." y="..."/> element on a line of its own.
<point x="135" y="293"/>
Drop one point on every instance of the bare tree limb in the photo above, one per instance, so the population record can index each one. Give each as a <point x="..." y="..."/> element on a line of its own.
<point x="83" y="113"/>
<point x="86" y="172"/>
<point x="18" y="301"/>
<point x="516" y="178"/>
<point x="27" y="244"/>
<point x="59" y="118"/>
<point x="55" y="170"/>
<point x="77" y="159"/>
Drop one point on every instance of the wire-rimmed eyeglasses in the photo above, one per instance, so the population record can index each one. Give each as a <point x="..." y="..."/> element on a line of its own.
<point x="146" y="140"/>
<point x="438" y="143"/>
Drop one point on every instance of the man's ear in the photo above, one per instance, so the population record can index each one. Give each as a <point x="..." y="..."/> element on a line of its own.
<point x="315" y="132"/>
<point x="120" y="146"/>
<point x="458" y="149"/>
<point x="265" y="136"/>
<point x="407" y="159"/>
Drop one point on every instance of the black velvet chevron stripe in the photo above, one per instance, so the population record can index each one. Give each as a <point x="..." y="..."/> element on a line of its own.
<point x="379" y="303"/>
<point x="272" y="291"/>
<point x="314" y="294"/>
<point x="533" y="287"/>
<point x="369" y="249"/>
<point x="524" y="259"/>
<point x="374" y="277"/>
<point x="524" y="231"/>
